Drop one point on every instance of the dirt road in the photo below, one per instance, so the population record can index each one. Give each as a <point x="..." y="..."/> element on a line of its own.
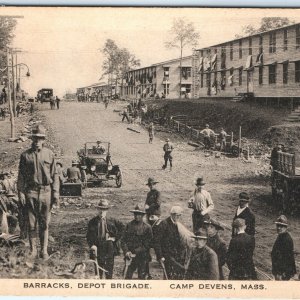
<point x="76" y="123"/>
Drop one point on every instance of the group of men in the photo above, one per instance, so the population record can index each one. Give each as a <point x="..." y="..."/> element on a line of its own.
<point x="54" y="101"/>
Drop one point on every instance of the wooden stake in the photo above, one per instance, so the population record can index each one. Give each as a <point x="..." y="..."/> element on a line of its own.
<point x="240" y="141"/>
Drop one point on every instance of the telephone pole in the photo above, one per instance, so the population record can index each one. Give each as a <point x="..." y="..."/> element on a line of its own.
<point x="12" y="118"/>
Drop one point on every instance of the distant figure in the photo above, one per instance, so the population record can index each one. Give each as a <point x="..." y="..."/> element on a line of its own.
<point x="151" y="132"/>
<point x="207" y="133"/>
<point x="223" y="134"/>
<point x="57" y="102"/>
<point x="52" y="103"/>
<point x="274" y="156"/>
<point x="73" y="173"/>
<point x="125" y="115"/>
<point x="168" y="148"/>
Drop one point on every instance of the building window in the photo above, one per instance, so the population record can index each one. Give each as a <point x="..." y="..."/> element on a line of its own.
<point x="297" y="36"/>
<point x="201" y="80"/>
<point x="272" y="74"/>
<point x="240" y="49"/>
<point x="285" y="39"/>
<point x="240" y="76"/>
<point x="260" y="75"/>
<point x="297" y="71"/>
<point x="272" y="42"/>
<point x="231" y="51"/>
<point x="166" y="88"/>
<point x="285" y="72"/>
<point x="166" y="73"/>
<point x="186" y="72"/>
<point x="260" y="44"/>
<point x="250" y="46"/>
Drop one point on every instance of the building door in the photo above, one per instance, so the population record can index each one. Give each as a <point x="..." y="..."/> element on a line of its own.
<point x="250" y="88"/>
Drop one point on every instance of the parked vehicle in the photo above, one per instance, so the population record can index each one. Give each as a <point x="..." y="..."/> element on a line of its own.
<point x="44" y="95"/>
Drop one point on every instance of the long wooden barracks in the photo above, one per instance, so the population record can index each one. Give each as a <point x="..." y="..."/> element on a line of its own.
<point x="264" y="65"/>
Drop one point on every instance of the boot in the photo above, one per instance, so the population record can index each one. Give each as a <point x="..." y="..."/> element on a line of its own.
<point x="33" y="247"/>
<point x="44" y="245"/>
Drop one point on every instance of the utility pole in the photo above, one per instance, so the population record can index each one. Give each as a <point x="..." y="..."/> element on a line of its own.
<point x="12" y="120"/>
<point x="13" y="84"/>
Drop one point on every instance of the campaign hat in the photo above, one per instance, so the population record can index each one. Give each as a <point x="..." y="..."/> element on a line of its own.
<point x="282" y="220"/>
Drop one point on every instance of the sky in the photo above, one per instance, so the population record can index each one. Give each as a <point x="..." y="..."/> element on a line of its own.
<point x="62" y="46"/>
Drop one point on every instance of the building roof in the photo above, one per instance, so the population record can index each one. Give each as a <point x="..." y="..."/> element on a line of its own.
<point x="251" y="35"/>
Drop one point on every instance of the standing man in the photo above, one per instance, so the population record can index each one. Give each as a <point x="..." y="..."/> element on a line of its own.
<point x="274" y="156"/>
<point x="38" y="186"/>
<point x="57" y="100"/>
<point x="168" y="246"/>
<point x="283" y="260"/>
<point x="168" y="148"/>
<point x="204" y="261"/>
<point x="240" y="253"/>
<point x="216" y="243"/>
<point x="207" y="135"/>
<point x="201" y="203"/>
<point x="136" y="243"/>
<point x="104" y="234"/>
<point x="125" y="115"/>
<point x="152" y="204"/>
<point x="73" y="173"/>
<point x="223" y="134"/>
<point x="151" y="132"/>
<point x="244" y="212"/>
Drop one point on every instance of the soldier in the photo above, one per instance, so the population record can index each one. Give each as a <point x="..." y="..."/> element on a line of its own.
<point x="104" y="233"/>
<point x="73" y="173"/>
<point x="201" y="203"/>
<point x="136" y="243"/>
<point x="215" y="242"/>
<point x="244" y="212"/>
<point x="38" y="186"/>
<point x="204" y="261"/>
<point x="207" y="134"/>
<point x="240" y="253"/>
<point x="168" y="246"/>
<point x="283" y="260"/>
<point x="125" y="115"/>
<point x="152" y="204"/>
<point x="151" y="132"/>
<point x="168" y="148"/>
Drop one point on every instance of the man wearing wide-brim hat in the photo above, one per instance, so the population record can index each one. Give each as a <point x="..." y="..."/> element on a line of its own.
<point x="38" y="186"/>
<point x="73" y="173"/>
<point x="104" y="233"/>
<point x="215" y="242"/>
<point x="203" y="263"/>
<point x="152" y="204"/>
<point x="283" y="260"/>
<point x="168" y="149"/>
<point x="136" y="243"/>
<point x="244" y="212"/>
<point x="201" y="203"/>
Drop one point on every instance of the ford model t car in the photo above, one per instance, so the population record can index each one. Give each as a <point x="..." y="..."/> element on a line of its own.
<point x="96" y="165"/>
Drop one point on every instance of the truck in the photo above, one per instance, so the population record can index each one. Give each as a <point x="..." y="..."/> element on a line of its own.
<point x="44" y="95"/>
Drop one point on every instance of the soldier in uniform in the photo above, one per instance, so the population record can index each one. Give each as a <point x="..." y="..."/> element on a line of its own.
<point x="152" y="204"/>
<point x="244" y="212"/>
<point x="215" y="242"/>
<point x="73" y="173"/>
<point x="283" y="260"/>
<point x="104" y="233"/>
<point x="168" y="246"/>
<point x="201" y="203"/>
<point x="168" y="148"/>
<point x="38" y="186"/>
<point x="136" y="243"/>
<point x="204" y="261"/>
<point x="239" y="257"/>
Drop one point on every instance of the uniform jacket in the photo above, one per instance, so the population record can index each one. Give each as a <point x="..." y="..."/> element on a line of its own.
<point x="114" y="228"/>
<point x="37" y="168"/>
<point x="218" y="245"/>
<point x="153" y="200"/>
<point x="240" y="257"/>
<point x="168" y="147"/>
<point x="137" y="238"/>
<point x="167" y="241"/>
<point x="283" y="261"/>
<point x="249" y="218"/>
<point x="203" y="265"/>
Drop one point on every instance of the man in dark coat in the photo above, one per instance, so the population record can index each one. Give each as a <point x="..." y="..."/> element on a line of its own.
<point x="244" y="212"/>
<point x="152" y="204"/>
<point x="240" y="253"/>
<point x="167" y="245"/>
<point x="274" y="156"/>
<point x="168" y="149"/>
<point x="104" y="233"/>
<point x="73" y="173"/>
<point x="136" y="243"/>
<point x="215" y="242"/>
<point x="283" y="261"/>
<point x="204" y="261"/>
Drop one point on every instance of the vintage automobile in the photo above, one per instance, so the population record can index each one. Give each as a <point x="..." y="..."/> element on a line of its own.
<point x="96" y="165"/>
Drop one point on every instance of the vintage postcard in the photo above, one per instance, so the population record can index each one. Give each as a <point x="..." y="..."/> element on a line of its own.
<point x="150" y="152"/>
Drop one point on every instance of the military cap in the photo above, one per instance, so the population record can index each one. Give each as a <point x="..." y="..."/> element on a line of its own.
<point x="39" y="131"/>
<point x="103" y="204"/>
<point x="151" y="181"/>
<point x="167" y="140"/>
<point x="200" y="234"/>
<point x="200" y="181"/>
<point x="138" y="210"/>
<point x="282" y="220"/>
<point x="244" y="196"/>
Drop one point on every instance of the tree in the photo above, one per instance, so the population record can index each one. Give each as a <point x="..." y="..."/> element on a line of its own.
<point x="183" y="34"/>
<point x="117" y="62"/>
<point x="267" y="23"/>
